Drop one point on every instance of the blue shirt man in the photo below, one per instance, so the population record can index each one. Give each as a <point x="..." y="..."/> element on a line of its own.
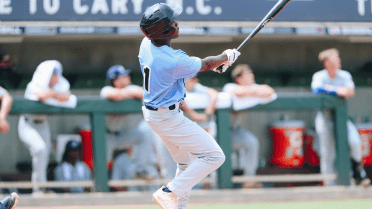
<point x="164" y="70"/>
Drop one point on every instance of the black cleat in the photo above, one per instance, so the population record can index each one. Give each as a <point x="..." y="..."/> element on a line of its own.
<point x="365" y="182"/>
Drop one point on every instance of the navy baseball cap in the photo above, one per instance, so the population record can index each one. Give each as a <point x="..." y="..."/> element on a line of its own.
<point x="116" y="71"/>
<point x="73" y="145"/>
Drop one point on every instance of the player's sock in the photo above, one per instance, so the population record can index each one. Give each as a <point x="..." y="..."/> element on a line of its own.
<point x="165" y="189"/>
<point x="356" y="168"/>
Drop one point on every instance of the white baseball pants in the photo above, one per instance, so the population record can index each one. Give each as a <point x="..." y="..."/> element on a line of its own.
<point x="37" y="138"/>
<point x="167" y="166"/>
<point x="325" y="132"/>
<point x="192" y="148"/>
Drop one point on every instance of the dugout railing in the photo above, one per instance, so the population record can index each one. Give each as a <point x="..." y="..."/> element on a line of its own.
<point x="98" y="108"/>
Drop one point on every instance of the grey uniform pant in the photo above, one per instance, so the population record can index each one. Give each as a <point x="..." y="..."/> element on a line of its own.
<point x="37" y="139"/>
<point x="247" y="146"/>
<point x="325" y="132"/>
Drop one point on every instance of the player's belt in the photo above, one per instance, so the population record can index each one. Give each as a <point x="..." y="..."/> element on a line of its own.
<point x="172" y="107"/>
<point x="36" y="121"/>
<point x="115" y="133"/>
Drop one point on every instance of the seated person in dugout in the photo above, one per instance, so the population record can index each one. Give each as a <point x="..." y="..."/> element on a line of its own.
<point x="121" y="132"/>
<point x="243" y="141"/>
<point x="72" y="168"/>
<point x="123" y="168"/>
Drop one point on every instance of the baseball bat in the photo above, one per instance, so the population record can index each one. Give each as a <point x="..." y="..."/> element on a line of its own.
<point x="272" y="13"/>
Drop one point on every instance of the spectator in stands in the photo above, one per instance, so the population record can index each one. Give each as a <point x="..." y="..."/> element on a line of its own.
<point x="120" y="132"/>
<point x="243" y="141"/>
<point x="8" y="72"/>
<point x="334" y="81"/>
<point x="72" y="168"/>
<point x="6" y="105"/>
<point x="50" y="87"/>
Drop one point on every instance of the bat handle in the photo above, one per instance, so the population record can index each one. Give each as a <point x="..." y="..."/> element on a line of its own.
<point x="220" y="67"/>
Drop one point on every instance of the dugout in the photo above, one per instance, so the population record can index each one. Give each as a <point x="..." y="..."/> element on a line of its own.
<point x="283" y="55"/>
<point x="290" y="61"/>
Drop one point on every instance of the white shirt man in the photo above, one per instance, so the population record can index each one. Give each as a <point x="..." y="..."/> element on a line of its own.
<point x="334" y="81"/>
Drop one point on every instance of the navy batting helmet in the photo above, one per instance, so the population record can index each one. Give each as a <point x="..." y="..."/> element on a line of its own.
<point x="156" y="21"/>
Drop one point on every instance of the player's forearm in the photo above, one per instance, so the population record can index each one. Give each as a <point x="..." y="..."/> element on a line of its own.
<point x="115" y="94"/>
<point x="6" y="105"/>
<point x="345" y="92"/>
<point x="323" y="90"/>
<point x="213" y="95"/>
<point x="62" y="97"/>
<point x="186" y="109"/>
<point x="136" y="93"/>
<point x="264" y="91"/>
<point x="244" y="91"/>
<point x="130" y="94"/>
<point x="261" y="91"/>
<point x="212" y="62"/>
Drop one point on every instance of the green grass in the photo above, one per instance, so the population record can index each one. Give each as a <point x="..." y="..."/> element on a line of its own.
<point x="321" y="204"/>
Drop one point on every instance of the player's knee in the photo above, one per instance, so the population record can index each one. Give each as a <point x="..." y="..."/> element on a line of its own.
<point x="254" y="144"/>
<point x="219" y="158"/>
<point x="143" y="137"/>
<point x="39" y="149"/>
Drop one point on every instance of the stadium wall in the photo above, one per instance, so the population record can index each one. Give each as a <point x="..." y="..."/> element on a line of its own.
<point x="266" y="53"/>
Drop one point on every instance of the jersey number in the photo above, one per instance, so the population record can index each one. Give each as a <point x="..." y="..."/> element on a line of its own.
<point x="146" y="78"/>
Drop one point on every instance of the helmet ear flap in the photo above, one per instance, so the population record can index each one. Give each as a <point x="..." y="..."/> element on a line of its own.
<point x="168" y="29"/>
<point x="169" y="32"/>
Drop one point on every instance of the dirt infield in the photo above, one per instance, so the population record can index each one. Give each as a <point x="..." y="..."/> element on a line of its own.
<point x="144" y="199"/>
<point x="323" y="204"/>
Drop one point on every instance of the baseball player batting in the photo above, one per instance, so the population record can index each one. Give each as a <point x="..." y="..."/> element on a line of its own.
<point x="164" y="69"/>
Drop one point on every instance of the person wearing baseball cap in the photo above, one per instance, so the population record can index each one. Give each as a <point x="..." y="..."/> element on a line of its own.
<point x="50" y="87"/>
<point x="72" y="168"/>
<point x="121" y="133"/>
<point x="115" y="72"/>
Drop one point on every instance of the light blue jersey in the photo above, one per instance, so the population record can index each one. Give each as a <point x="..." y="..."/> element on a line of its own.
<point x="164" y="70"/>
